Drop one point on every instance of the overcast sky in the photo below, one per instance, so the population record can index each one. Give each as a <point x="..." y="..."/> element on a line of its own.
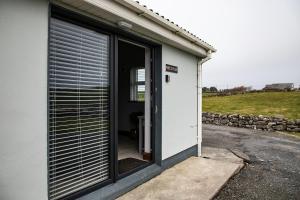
<point x="258" y="42"/>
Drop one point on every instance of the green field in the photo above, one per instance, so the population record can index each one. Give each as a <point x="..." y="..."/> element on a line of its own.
<point x="209" y="94"/>
<point x="286" y="104"/>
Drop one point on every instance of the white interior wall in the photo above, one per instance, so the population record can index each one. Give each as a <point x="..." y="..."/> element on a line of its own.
<point x="23" y="102"/>
<point x="179" y="102"/>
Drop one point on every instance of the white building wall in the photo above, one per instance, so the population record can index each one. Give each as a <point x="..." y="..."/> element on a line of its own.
<point x="23" y="102"/>
<point x="179" y="102"/>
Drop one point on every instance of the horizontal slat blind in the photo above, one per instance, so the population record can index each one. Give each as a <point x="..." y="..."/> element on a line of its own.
<point x="78" y="108"/>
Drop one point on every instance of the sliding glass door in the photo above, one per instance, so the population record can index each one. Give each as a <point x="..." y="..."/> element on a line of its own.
<point x="83" y="110"/>
<point x="79" y="104"/>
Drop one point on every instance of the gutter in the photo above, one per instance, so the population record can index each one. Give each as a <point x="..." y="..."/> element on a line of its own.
<point x="199" y="100"/>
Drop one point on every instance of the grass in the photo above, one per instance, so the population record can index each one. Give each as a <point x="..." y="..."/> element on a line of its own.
<point x="286" y="104"/>
<point x="208" y="94"/>
<point x="296" y="134"/>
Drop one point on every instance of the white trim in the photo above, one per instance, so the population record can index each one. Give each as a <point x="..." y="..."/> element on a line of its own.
<point x="136" y="7"/>
<point x="114" y="11"/>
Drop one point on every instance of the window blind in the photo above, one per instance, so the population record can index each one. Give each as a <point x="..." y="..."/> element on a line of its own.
<point x="78" y="108"/>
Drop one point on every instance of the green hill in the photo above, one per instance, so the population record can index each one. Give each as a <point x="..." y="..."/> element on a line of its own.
<point x="286" y="104"/>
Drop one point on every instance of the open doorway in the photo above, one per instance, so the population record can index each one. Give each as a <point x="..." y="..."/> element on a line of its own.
<point x="134" y="110"/>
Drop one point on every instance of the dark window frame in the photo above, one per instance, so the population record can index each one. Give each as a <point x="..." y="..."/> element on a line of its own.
<point x="156" y="85"/>
<point x="78" y="107"/>
<point x="134" y="93"/>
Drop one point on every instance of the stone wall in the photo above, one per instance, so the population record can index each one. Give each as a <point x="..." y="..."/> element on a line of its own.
<point x="251" y="121"/>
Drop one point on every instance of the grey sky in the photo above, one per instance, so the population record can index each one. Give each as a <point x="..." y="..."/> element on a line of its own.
<point x="258" y="42"/>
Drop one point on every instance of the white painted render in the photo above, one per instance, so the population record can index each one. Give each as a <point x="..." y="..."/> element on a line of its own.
<point x="179" y="102"/>
<point x="23" y="102"/>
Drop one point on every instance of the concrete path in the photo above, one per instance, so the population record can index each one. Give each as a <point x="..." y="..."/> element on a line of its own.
<point x="194" y="178"/>
<point x="274" y="168"/>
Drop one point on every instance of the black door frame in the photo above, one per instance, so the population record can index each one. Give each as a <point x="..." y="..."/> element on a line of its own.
<point x="156" y="88"/>
<point x="116" y="68"/>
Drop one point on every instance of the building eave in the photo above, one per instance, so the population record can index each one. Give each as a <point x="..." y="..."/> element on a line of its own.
<point x="155" y="17"/>
<point x="144" y="21"/>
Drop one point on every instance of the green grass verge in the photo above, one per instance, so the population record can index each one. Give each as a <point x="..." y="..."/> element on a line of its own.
<point x="297" y="134"/>
<point x="294" y="134"/>
<point x="208" y="94"/>
<point x="286" y="104"/>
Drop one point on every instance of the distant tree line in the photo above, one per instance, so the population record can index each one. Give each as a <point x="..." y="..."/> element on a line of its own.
<point x="211" y="89"/>
<point x="239" y="89"/>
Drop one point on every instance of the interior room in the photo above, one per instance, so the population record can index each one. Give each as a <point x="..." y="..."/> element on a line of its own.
<point x="133" y="98"/>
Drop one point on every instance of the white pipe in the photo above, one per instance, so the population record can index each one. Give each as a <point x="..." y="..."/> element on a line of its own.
<point x="199" y="101"/>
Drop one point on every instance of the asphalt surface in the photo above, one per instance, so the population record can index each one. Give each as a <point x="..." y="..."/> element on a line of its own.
<point x="274" y="168"/>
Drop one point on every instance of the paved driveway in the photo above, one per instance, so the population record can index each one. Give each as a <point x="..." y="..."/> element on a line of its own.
<point x="274" y="170"/>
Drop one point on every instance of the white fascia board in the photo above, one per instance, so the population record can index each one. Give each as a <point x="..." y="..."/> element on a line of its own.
<point x="165" y="23"/>
<point x="141" y="24"/>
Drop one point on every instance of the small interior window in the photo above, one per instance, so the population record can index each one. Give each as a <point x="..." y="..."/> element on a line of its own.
<point x="137" y="84"/>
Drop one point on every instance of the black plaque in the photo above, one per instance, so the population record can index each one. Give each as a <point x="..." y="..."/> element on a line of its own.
<point x="171" y="68"/>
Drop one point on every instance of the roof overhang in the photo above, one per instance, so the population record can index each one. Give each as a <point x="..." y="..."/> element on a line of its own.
<point x="144" y="22"/>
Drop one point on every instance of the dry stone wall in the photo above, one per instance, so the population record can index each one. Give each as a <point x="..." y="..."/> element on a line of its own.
<point x="251" y="121"/>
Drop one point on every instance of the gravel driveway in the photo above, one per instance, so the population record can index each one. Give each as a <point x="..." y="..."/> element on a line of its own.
<point x="274" y="169"/>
